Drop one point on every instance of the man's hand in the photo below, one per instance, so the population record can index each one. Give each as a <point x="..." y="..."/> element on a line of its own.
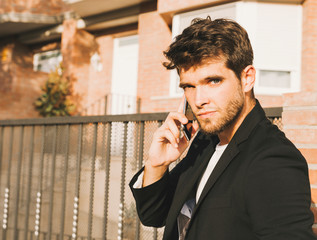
<point x="167" y="146"/>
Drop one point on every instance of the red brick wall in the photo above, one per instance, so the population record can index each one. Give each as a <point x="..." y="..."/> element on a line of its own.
<point x="300" y="125"/>
<point x="268" y="101"/>
<point x="309" y="48"/>
<point x="154" y="80"/>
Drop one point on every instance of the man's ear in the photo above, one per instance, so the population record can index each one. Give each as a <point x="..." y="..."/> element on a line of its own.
<point x="248" y="78"/>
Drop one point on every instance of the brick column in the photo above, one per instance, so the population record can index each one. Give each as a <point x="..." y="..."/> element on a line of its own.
<point x="309" y="47"/>
<point x="67" y="44"/>
<point x="77" y="47"/>
<point x="154" y="80"/>
<point x="300" y="109"/>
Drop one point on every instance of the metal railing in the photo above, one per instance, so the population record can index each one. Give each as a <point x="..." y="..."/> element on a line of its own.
<point x="67" y="178"/>
<point x="113" y="104"/>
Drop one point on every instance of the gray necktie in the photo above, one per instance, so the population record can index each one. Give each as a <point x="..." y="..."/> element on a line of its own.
<point x="184" y="217"/>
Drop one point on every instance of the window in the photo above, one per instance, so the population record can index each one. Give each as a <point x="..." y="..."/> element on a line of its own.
<point x="125" y="75"/>
<point x="275" y="33"/>
<point x="47" y="61"/>
<point x="95" y="62"/>
<point x="274" y="82"/>
<point x="268" y="78"/>
<point x="278" y="48"/>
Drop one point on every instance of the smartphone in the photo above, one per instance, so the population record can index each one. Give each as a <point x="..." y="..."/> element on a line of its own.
<point x="190" y="116"/>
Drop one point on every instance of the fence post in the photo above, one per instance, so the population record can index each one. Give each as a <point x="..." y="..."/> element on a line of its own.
<point x="139" y="164"/>
<point x="1" y="149"/>
<point x="29" y="184"/>
<point x="106" y="104"/>
<point x="61" y="235"/>
<point x="155" y="229"/>
<point x="77" y="185"/>
<point x="107" y="178"/>
<point x="122" y="192"/>
<point x="7" y="190"/>
<point x="39" y="192"/>
<point x="138" y="109"/>
<point x="92" y="181"/>
<point x="50" y="215"/>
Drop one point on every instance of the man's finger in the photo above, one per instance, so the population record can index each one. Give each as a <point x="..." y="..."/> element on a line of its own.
<point x="182" y="105"/>
<point x="168" y="135"/>
<point x="173" y="128"/>
<point x="177" y="116"/>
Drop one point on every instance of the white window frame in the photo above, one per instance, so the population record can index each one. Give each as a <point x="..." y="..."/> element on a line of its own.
<point x="275" y="91"/>
<point x="37" y="59"/>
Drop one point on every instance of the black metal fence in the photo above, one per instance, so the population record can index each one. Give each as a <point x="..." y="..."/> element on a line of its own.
<point x="67" y="178"/>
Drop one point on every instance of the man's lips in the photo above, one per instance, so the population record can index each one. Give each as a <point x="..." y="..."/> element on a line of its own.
<point x="206" y="114"/>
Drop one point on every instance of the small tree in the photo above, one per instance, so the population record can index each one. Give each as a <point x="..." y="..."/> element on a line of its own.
<point x="56" y="97"/>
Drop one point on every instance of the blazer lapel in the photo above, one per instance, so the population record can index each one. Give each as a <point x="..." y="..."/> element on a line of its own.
<point x="231" y="151"/>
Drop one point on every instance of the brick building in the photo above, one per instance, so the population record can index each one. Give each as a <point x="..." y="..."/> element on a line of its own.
<point x="114" y="49"/>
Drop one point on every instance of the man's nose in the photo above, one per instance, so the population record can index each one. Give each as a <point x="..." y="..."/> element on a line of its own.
<point x="201" y="96"/>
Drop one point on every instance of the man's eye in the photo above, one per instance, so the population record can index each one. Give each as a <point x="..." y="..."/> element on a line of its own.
<point x="214" y="81"/>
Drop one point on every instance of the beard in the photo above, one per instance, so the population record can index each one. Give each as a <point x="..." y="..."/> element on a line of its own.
<point x="227" y="117"/>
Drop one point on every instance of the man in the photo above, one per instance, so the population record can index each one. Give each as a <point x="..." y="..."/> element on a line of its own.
<point x="241" y="178"/>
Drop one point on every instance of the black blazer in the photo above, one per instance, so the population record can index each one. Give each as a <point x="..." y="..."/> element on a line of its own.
<point x="259" y="188"/>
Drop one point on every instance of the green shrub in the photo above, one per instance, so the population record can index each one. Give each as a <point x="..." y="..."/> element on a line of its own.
<point x="56" y="99"/>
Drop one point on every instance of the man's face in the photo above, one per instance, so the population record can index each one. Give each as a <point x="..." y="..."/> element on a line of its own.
<point x="215" y="95"/>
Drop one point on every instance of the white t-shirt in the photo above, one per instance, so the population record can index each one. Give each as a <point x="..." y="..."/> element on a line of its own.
<point x="211" y="165"/>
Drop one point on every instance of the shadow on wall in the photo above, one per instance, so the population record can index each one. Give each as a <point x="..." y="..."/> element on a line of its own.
<point x="5" y="68"/>
<point x="78" y="49"/>
<point x="19" y="84"/>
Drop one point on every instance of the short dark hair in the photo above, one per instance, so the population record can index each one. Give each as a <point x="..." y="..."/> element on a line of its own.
<point x="205" y="39"/>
